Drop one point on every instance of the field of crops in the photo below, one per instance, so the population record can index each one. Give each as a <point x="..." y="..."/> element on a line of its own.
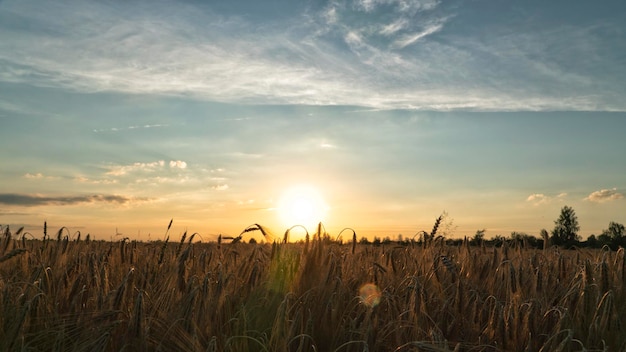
<point x="71" y="294"/>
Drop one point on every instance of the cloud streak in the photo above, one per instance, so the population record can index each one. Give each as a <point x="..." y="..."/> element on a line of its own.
<point x="28" y="200"/>
<point x="116" y="129"/>
<point x="36" y="176"/>
<point x="410" y="39"/>
<point x="121" y="170"/>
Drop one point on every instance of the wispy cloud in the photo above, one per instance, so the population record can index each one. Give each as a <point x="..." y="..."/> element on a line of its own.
<point x="14" y="213"/>
<point x="408" y="6"/>
<point x="409" y="39"/>
<point x="371" y="53"/>
<point x="39" y="176"/>
<point x="537" y="198"/>
<point x="84" y="179"/>
<point x="540" y="198"/>
<point x="120" y="170"/>
<point x="117" y="129"/>
<point x="604" y="195"/>
<point x="220" y="187"/>
<point x="155" y="173"/>
<point x="169" y="180"/>
<point x="20" y="109"/>
<point x="36" y="176"/>
<point x="394" y="27"/>
<point x="40" y="200"/>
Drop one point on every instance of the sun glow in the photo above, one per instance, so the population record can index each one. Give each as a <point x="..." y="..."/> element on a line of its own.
<point x="302" y="205"/>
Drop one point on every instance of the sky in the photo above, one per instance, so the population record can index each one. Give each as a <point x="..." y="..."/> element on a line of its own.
<point x="380" y="115"/>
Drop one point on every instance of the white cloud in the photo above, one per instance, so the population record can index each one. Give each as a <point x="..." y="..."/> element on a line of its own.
<point x="178" y="164"/>
<point x="604" y="195"/>
<point x="121" y="170"/>
<point x="169" y="180"/>
<point x="540" y="198"/>
<point x="38" y="175"/>
<point x="83" y="179"/>
<point x="353" y="39"/>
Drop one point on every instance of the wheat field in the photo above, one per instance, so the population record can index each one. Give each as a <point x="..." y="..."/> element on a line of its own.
<point x="73" y="294"/>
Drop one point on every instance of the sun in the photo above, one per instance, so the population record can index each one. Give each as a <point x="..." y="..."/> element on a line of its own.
<point x="302" y="205"/>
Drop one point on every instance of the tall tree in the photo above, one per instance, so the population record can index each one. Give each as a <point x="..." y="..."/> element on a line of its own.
<point x="566" y="227"/>
<point x="615" y="230"/>
<point x="615" y="235"/>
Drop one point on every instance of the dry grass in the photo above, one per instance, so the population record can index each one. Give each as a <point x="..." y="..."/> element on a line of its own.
<point x="72" y="295"/>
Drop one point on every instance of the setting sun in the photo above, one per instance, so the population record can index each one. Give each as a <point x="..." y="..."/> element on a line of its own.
<point x="302" y="205"/>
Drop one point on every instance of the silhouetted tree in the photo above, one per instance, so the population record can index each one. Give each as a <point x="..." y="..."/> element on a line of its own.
<point x="614" y="234"/>
<point x="593" y="242"/>
<point x="498" y="240"/>
<point x="615" y="230"/>
<point x="478" y="237"/>
<point x="604" y="239"/>
<point x="524" y="239"/>
<point x="566" y="227"/>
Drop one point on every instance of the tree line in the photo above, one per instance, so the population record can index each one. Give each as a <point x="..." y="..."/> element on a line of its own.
<point x="564" y="234"/>
<point x="566" y="227"/>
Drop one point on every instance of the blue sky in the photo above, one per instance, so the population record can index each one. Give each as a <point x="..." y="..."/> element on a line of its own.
<point x="118" y="115"/>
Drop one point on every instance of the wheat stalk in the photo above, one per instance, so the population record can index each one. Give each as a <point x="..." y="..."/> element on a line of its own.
<point x="13" y="253"/>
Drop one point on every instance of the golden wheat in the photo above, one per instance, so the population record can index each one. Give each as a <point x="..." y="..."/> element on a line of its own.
<point x="93" y="295"/>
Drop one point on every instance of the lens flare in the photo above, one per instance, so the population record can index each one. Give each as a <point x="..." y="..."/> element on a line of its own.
<point x="370" y="295"/>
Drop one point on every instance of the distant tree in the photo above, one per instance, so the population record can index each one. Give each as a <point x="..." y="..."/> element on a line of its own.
<point x="524" y="239"/>
<point x="376" y="241"/>
<point x="615" y="230"/>
<point x="454" y="241"/>
<point x="518" y="236"/>
<point x="364" y="240"/>
<point x="566" y="227"/>
<point x="498" y="240"/>
<point x="615" y="234"/>
<point x="605" y="239"/>
<point x="252" y="241"/>
<point x="592" y="242"/>
<point x="478" y="238"/>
